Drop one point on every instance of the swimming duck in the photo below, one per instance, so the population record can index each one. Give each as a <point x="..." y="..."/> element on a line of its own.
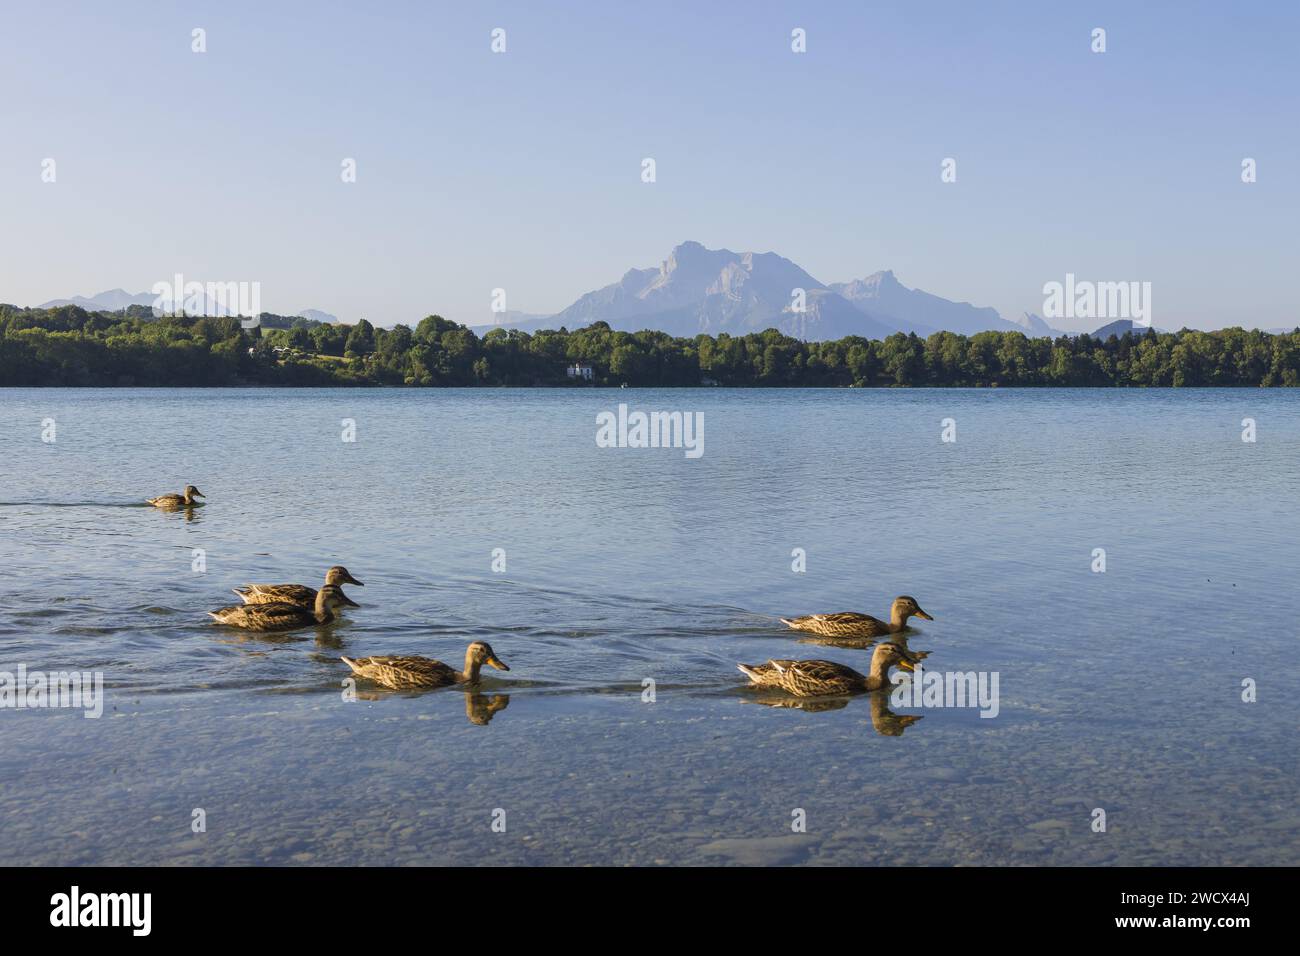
<point x="822" y="678"/>
<point x="409" y="673"/>
<point x="282" y="616"/>
<point x="299" y="594"/>
<point x="176" y="501"/>
<point x="853" y="624"/>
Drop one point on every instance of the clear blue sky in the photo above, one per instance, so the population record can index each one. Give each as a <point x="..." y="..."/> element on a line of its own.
<point x="522" y="170"/>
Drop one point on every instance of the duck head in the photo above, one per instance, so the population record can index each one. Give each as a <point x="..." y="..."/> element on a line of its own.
<point x="191" y="493"/>
<point x="904" y="607"/>
<point x="889" y="655"/>
<point x="480" y="653"/>
<point x="331" y="596"/>
<point x="340" y="575"/>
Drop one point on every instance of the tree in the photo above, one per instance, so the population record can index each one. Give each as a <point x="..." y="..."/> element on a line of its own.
<point x="361" y="340"/>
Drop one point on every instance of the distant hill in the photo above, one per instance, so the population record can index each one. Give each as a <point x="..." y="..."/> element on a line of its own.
<point x="1035" y="327"/>
<point x="520" y="321"/>
<point x="699" y="290"/>
<point x="911" y="310"/>
<point x="114" y="300"/>
<point x="117" y="300"/>
<point x="1119" y="328"/>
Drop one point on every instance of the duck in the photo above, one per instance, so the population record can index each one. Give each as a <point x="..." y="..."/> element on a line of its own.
<point x="283" y="616"/>
<point x="853" y="624"/>
<point x="826" y="678"/>
<point x="299" y="594"/>
<point x="186" y="499"/>
<point x="411" y="673"/>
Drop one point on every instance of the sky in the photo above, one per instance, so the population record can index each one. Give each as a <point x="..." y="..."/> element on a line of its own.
<point x="522" y="170"/>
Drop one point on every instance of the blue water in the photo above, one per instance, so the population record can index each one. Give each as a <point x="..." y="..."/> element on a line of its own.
<point x="1119" y="691"/>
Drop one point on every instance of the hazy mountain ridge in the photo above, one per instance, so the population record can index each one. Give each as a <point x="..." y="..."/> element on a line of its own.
<point x="118" y="300"/>
<point x="699" y="290"/>
<point x="113" y="300"/>
<point x="911" y="310"/>
<point x="1035" y="326"/>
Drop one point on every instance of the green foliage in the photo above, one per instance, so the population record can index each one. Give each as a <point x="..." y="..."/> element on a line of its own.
<point x="69" y="346"/>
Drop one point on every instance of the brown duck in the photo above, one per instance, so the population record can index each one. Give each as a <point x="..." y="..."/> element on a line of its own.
<point x="299" y="594"/>
<point x="185" y="500"/>
<point x="412" y="673"/>
<point x="853" y="624"/>
<point x="283" y="616"/>
<point x="826" y="678"/>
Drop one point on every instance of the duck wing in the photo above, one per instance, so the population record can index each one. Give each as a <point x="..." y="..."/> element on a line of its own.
<point x="299" y="594"/>
<point x="403" y="672"/>
<point x="264" y="617"/>
<point x="814" y="678"/>
<point x="839" y="624"/>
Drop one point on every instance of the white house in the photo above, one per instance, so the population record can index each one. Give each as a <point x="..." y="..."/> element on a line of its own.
<point x="578" y="370"/>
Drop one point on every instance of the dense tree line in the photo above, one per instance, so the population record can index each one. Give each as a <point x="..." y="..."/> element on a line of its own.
<point x="70" y="346"/>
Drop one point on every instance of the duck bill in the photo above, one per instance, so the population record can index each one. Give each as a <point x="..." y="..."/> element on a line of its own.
<point x="498" y="663"/>
<point x="348" y="602"/>
<point x="199" y="494"/>
<point x="349" y="579"/>
<point x="921" y="614"/>
<point x="906" y="665"/>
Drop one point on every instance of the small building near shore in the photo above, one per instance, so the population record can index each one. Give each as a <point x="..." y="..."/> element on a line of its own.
<point x="579" y="370"/>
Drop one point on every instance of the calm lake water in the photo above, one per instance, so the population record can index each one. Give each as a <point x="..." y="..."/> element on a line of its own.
<point x="1119" y="690"/>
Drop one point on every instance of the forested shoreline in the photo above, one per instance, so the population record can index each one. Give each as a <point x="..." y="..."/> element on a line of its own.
<point x="68" y="346"/>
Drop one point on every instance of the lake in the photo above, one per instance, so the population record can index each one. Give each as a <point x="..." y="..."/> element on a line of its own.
<point x="622" y="585"/>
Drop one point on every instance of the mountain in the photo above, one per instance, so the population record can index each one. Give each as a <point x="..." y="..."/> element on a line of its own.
<point x="114" y="300"/>
<point x="518" y="321"/>
<point x="911" y="310"/>
<point x="1035" y="327"/>
<point x="698" y="290"/>
<point x="1117" y="328"/>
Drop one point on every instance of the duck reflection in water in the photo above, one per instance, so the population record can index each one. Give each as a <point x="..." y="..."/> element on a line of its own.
<point x="883" y="720"/>
<point x="866" y="644"/>
<point x="189" y="512"/>
<point x="479" y="708"/>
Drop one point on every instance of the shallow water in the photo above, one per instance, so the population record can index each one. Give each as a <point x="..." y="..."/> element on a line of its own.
<point x="1118" y="690"/>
